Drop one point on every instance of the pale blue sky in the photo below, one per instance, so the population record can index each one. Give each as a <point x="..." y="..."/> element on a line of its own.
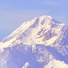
<point x="14" y="12"/>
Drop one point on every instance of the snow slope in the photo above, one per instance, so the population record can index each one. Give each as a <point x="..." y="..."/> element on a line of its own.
<point x="39" y="43"/>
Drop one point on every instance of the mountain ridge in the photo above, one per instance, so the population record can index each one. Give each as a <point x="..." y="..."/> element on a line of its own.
<point x="26" y="26"/>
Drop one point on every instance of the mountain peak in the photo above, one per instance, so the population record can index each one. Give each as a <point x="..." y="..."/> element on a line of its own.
<point x="45" y="16"/>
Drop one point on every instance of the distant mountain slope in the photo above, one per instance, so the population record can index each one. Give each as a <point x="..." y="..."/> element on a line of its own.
<point x="39" y="43"/>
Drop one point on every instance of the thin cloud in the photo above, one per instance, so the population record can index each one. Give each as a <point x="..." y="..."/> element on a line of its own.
<point x="3" y="6"/>
<point x="51" y="3"/>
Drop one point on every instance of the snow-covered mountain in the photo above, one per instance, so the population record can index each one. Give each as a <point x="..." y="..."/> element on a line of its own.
<point x="39" y="43"/>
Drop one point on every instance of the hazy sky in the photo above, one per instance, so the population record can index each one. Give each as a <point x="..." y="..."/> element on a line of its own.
<point x="14" y="12"/>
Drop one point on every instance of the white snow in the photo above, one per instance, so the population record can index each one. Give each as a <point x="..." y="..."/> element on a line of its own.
<point x="56" y="64"/>
<point x="26" y="65"/>
<point x="51" y="41"/>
